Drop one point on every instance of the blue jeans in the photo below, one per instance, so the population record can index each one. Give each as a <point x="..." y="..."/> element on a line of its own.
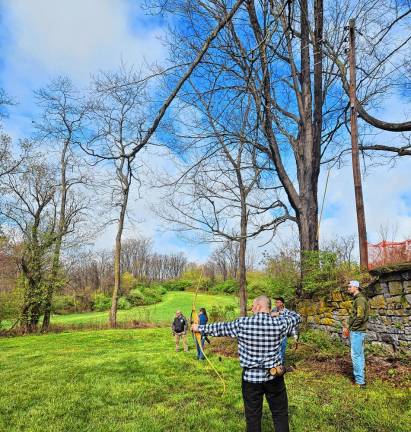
<point x="200" y="354"/>
<point x="357" y="356"/>
<point x="283" y="347"/>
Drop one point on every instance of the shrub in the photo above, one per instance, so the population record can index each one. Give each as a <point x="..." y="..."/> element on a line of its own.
<point x="324" y="345"/>
<point x="151" y="296"/>
<point x="10" y="305"/>
<point x="84" y="301"/>
<point x="159" y="289"/>
<point x="63" y="304"/>
<point x="283" y="276"/>
<point x="123" y="304"/>
<point x="230" y="286"/>
<point x="222" y="313"/>
<point x="128" y="282"/>
<point x="325" y="272"/>
<point x="144" y="296"/>
<point x="136" y="298"/>
<point x="101" y="302"/>
<point x="177" y="285"/>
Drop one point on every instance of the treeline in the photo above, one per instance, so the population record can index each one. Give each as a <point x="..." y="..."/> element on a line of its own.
<point x="95" y="269"/>
<point x="86" y="278"/>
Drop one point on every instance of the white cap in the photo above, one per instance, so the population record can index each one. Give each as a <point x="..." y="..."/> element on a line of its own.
<point x="355" y="283"/>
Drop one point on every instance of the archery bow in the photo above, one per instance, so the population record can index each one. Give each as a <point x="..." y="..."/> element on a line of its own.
<point x="197" y="335"/>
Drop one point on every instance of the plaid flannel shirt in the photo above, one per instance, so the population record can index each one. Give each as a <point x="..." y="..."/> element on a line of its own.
<point x="259" y="339"/>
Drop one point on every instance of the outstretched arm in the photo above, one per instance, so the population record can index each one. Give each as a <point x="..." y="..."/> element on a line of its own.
<point x="292" y="319"/>
<point x="229" y="329"/>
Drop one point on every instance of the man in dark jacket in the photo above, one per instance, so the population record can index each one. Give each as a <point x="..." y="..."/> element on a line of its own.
<point x="179" y="329"/>
<point x="357" y="327"/>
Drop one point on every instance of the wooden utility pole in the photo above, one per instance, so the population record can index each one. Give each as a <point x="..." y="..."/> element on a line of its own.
<point x="359" y="202"/>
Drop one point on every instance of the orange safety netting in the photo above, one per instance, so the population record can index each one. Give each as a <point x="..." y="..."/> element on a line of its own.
<point x="388" y="253"/>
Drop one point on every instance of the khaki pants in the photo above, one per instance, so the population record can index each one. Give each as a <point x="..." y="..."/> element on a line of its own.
<point x="179" y="336"/>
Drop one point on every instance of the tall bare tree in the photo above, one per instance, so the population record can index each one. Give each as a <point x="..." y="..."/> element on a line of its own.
<point x="60" y="128"/>
<point x="222" y="192"/>
<point x="278" y="52"/>
<point x="117" y="121"/>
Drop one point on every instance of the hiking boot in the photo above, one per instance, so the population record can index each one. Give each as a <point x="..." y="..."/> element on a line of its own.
<point x="360" y="386"/>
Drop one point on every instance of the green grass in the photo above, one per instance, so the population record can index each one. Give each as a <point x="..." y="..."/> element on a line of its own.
<point x="133" y="380"/>
<point x="161" y="313"/>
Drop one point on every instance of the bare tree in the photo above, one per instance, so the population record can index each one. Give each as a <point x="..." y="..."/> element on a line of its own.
<point x="342" y="247"/>
<point x="117" y="121"/>
<point x="384" y="43"/>
<point x="278" y="52"/>
<point x="60" y="128"/>
<point x="135" y="255"/>
<point x="222" y="193"/>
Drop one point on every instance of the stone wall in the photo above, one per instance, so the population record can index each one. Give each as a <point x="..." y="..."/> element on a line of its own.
<point x="389" y="295"/>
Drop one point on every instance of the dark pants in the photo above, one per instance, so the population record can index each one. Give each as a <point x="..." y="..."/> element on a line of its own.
<point x="276" y="395"/>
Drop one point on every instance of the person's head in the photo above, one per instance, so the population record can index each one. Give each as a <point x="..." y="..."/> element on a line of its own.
<point x="279" y="302"/>
<point x="353" y="287"/>
<point x="261" y="304"/>
<point x="178" y="313"/>
<point x="202" y="311"/>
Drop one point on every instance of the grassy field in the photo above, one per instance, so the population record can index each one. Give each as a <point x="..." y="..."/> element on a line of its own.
<point x="133" y="380"/>
<point x="160" y="313"/>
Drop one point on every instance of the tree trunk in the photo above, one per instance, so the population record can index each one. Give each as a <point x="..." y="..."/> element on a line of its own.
<point x="33" y="292"/>
<point x="61" y="232"/>
<point x="117" y="262"/>
<point x="243" y="247"/>
<point x="307" y="220"/>
<point x="242" y="273"/>
<point x="51" y="286"/>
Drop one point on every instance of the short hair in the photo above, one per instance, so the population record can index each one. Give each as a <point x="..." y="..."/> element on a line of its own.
<point x="264" y="299"/>
<point x="281" y="299"/>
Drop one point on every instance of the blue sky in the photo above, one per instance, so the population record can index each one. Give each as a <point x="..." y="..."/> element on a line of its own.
<point x="44" y="38"/>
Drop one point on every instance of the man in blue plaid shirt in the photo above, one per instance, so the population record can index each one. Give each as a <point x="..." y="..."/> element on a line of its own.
<point x="259" y="341"/>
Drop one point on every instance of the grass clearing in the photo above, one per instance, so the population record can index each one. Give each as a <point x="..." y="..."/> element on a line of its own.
<point x="132" y="380"/>
<point x="160" y="313"/>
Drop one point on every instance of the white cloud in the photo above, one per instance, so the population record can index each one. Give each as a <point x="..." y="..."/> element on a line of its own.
<point x="77" y="37"/>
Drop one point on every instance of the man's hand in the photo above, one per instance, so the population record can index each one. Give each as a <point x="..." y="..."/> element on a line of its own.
<point x="345" y="333"/>
<point x="194" y="327"/>
<point x="295" y="337"/>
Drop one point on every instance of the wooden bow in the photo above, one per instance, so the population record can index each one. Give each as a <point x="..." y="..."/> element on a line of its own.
<point x="197" y="335"/>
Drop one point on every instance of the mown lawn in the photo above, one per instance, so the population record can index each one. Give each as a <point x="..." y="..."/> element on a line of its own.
<point x="132" y="380"/>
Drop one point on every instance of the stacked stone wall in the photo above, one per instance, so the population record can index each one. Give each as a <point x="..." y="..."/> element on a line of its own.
<point x="389" y="297"/>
